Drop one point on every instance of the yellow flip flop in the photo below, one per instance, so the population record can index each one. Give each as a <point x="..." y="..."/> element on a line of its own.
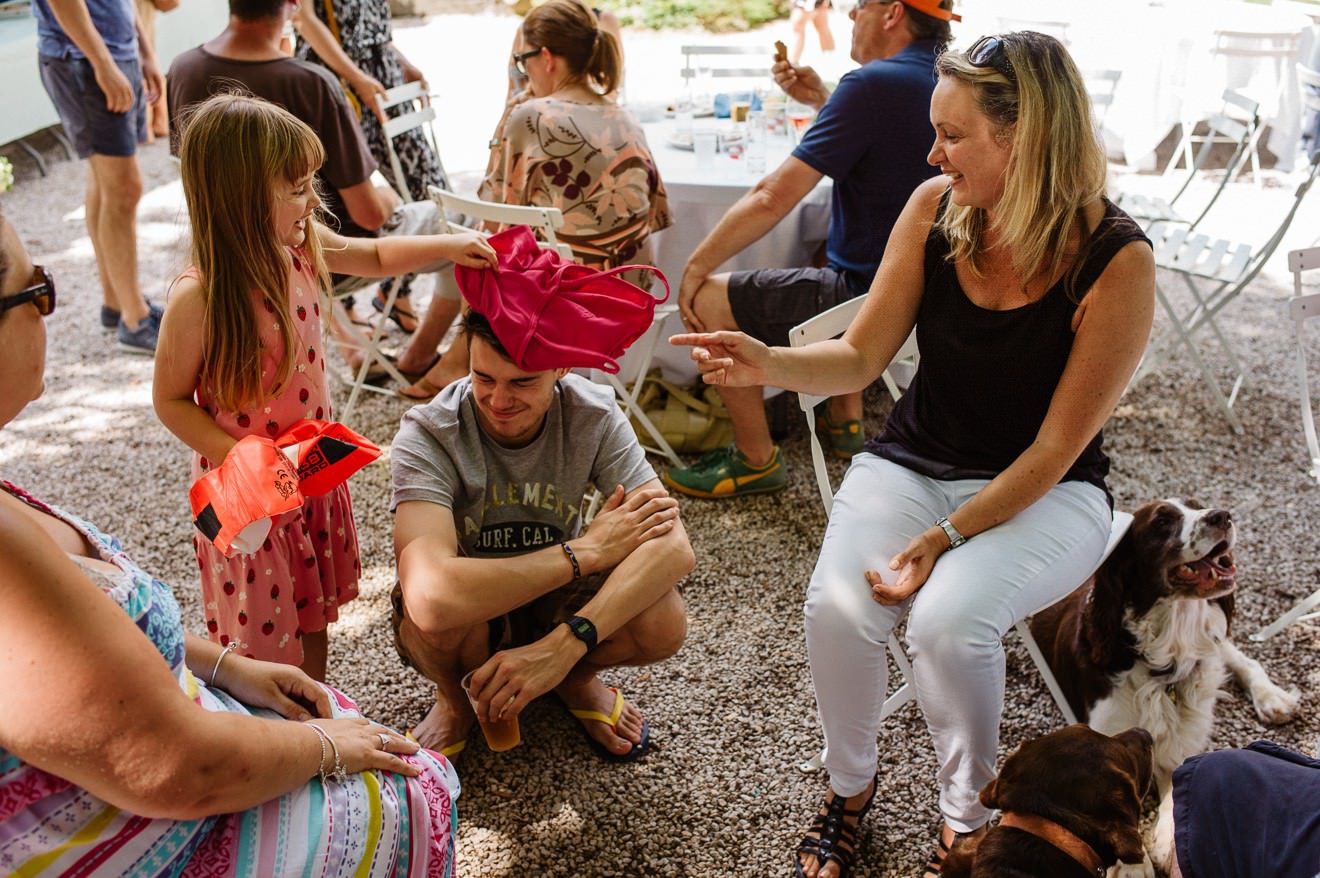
<point x="448" y="752"/>
<point x="612" y="720"/>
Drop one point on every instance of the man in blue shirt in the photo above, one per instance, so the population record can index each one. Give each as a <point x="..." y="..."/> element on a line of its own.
<point x="872" y="137"/>
<point x="96" y="67"/>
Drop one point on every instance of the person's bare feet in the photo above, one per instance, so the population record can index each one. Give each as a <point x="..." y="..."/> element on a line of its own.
<point x="595" y="695"/>
<point x="445" y="724"/>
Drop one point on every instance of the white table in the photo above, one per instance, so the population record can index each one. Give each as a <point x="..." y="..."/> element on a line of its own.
<point x="27" y="108"/>
<point x="699" y="195"/>
<point x="1163" y="48"/>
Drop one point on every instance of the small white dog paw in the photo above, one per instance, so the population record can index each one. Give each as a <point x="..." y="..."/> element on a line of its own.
<point x="1275" y="705"/>
<point x="1144" y="869"/>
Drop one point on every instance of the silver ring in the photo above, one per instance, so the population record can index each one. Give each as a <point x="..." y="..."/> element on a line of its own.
<point x="384" y="741"/>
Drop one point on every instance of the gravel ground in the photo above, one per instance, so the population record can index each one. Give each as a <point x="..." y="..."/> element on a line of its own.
<point x="732" y="714"/>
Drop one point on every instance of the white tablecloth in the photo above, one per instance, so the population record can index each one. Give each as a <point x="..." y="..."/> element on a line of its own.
<point x="698" y="197"/>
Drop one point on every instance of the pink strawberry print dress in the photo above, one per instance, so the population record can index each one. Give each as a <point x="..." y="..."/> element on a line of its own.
<point x="308" y="565"/>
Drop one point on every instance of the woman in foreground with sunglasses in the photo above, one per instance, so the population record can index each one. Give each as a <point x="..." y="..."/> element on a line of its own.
<point x="131" y="747"/>
<point x="984" y="498"/>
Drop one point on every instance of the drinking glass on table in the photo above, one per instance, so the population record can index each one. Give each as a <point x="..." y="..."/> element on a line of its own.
<point x="704" y="143"/>
<point x="799" y="117"/>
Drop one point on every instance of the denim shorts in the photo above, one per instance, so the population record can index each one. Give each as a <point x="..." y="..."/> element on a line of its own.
<point x="768" y="302"/>
<point x="71" y="84"/>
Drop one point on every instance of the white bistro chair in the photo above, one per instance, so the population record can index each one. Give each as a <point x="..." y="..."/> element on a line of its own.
<point x="831" y="324"/>
<point x="1237" y="123"/>
<point x="1301" y="308"/>
<point x="696" y="59"/>
<point x="1215" y="271"/>
<point x="546" y="220"/>
<point x="419" y="114"/>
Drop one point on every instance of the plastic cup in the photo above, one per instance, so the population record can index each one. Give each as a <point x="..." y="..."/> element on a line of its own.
<point x="738" y="111"/>
<point x="500" y="735"/>
<point x="799" y="118"/>
<point x="704" y="143"/>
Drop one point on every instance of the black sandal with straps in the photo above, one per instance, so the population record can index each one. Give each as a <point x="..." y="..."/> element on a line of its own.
<point x="835" y="840"/>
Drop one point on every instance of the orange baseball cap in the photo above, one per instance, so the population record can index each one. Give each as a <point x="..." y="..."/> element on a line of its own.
<point x="933" y="9"/>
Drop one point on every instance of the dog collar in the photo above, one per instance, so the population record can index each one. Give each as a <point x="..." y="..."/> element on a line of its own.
<point x="1063" y="839"/>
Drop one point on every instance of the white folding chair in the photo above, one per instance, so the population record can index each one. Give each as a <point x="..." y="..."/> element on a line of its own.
<point x="697" y="58"/>
<point x="546" y="220"/>
<point x="1301" y="308"/>
<point x="1225" y="267"/>
<point x="1237" y="123"/>
<point x="830" y="324"/>
<point x="350" y="336"/>
<point x="419" y="114"/>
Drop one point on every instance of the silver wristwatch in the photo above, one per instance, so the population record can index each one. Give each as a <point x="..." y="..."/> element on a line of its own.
<point x="955" y="539"/>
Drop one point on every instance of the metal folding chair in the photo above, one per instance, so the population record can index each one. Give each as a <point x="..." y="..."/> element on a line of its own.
<point x="831" y="324"/>
<point x="1278" y="49"/>
<point x="1301" y="308"/>
<point x="419" y="114"/>
<point x="1100" y="88"/>
<point x="696" y="58"/>
<point x="1225" y="268"/>
<point x="1238" y="123"/>
<point x="546" y="220"/>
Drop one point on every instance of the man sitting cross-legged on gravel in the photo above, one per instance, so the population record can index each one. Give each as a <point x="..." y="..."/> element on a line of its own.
<point x="493" y="560"/>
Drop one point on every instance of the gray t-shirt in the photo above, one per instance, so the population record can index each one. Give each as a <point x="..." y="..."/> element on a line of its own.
<point x="508" y="501"/>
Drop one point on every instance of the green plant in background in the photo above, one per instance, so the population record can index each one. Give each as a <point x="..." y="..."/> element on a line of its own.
<point x="714" y="16"/>
<point x="6" y="175"/>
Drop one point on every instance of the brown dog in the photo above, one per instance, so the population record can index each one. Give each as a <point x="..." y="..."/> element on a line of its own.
<point x="1071" y="806"/>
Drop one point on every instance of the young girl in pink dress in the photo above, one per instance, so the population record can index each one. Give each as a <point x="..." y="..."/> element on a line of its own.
<point x="240" y="353"/>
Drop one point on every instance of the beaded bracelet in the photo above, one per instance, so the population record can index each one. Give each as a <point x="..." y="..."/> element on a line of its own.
<point x="229" y="647"/>
<point x="572" y="559"/>
<point x="321" y="738"/>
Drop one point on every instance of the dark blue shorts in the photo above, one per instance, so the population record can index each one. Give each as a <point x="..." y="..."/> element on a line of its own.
<point x="71" y="84"/>
<point x="1252" y="812"/>
<point x="768" y="302"/>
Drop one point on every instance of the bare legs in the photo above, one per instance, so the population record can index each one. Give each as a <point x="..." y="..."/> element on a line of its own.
<point x="114" y="188"/>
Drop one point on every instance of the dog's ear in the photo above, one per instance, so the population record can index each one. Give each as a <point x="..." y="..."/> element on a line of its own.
<point x="1227" y="603"/>
<point x="1102" y="617"/>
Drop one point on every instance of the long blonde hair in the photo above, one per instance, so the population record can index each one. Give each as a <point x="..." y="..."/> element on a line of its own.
<point x="1057" y="165"/>
<point x="235" y="149"/>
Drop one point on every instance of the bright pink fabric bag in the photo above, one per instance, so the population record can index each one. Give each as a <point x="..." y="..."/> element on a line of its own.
<point x="550" y="313"/>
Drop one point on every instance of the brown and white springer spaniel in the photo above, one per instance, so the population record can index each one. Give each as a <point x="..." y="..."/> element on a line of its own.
<point x="1145" y="642"/>
<point x="1071" y="808"/>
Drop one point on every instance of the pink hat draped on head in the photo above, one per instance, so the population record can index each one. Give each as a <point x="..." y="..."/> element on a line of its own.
<point x="550" y="313"/>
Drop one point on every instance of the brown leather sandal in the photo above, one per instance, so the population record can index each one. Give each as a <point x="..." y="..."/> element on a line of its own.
<point x="835" y="840"/>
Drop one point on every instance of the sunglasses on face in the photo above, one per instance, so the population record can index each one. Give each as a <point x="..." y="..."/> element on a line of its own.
<point x="992" y="52"/>
<point x="520" y="59"/>
<point x="40" y="292"/>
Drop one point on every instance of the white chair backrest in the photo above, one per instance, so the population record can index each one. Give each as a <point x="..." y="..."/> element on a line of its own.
<point x="1238" y="122"/>
<point x="830" y="324"/>
<point x="421" y="115"/>
<point x="542" y="219"/>
<point x="698" y="58"/>
<point x="1100" y="88"/>
<point x="1309" y="82"/>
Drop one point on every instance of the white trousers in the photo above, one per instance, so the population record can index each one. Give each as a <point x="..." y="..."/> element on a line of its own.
<point x="957" y="621"/>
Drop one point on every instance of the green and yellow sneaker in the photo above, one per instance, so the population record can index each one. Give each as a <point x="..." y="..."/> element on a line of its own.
<point x="846" y="439"/>
<point x="725" y="472"/>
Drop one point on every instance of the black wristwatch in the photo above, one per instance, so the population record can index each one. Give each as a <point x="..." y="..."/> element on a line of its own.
<point x="583" y="630"/>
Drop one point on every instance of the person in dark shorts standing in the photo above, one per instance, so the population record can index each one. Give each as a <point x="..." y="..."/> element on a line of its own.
<point x="871" y="138"/>
<point x="100" y="74"/>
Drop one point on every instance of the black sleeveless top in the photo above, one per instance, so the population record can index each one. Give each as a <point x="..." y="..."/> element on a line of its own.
<point x="985" y="378"/>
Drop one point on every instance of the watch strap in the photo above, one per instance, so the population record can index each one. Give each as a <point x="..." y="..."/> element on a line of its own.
<point x="955" y="539"/>
<point x="583" y="629"/>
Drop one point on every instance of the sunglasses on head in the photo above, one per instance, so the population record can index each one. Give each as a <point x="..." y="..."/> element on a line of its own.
<point x="40" y="291"/>
<point x="520" y="59"/>
<point x="992" y="52"/>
